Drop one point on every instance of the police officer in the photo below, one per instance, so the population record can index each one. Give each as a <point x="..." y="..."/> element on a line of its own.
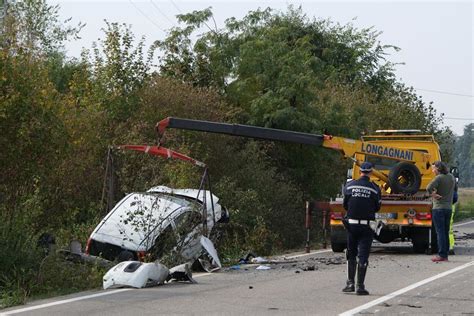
<point x="362" y="198"/>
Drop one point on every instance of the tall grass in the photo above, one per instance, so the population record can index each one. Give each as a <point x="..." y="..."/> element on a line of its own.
<point x="465" y="205"/>
<point x="27" y="271"/>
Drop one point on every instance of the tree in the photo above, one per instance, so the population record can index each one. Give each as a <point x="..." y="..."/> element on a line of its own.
<point x="118" y="69"/>
<point x="32" y="136"/>
<point x="33" y="27"/>
<point x="29" y="125"/>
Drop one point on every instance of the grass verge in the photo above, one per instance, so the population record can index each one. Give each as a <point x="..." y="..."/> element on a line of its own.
<point x="465" y="205"/>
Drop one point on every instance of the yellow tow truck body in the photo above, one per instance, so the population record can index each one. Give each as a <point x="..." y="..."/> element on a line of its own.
<point x="405" y="216"/>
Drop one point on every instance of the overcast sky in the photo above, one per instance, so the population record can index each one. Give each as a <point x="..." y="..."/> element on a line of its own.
<point x="435" y="37"/>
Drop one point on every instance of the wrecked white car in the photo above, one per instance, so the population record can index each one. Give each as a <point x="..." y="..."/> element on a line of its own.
<point x="156" y="223"/>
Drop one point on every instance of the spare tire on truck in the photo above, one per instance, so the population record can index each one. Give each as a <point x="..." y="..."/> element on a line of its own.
<point x="405" y="178"/>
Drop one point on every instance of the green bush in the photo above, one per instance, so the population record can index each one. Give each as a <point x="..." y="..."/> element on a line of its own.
<point x="26" y="269"/>
<point x="19" y="259"/>
<point x="464" y="210"/>
<point x="57" y="276"/>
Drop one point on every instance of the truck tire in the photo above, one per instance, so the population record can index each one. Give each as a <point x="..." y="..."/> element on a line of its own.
<point x="434" y="240"/>
<point x="433" y="247"/>
<point x="387" y="236"/>
<point x="405" y="178"/>
<point x="420" y="240"/>
<point x="338" y="238"/>
<point x="338" y="247"/>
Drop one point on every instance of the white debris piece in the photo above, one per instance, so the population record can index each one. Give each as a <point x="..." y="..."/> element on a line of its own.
<point x="259" y="260"/>
<point x="135" y="274"/>
<point x="211" y="250"/>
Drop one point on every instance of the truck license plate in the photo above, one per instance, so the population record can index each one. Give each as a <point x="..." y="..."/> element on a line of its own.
<point x="385" y="215"/>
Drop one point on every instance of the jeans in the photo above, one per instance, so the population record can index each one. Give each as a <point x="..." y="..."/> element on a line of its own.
<point x="359" y="241"/>
<point x="441" y="220"/>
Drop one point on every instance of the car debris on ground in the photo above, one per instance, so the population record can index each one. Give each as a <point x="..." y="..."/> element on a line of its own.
<point x="136" y="274"/>
<point x="253" y="262"/>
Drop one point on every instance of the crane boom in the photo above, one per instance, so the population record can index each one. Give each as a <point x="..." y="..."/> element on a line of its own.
<point x="239" y="130"/>
<point x="349" y="148"/>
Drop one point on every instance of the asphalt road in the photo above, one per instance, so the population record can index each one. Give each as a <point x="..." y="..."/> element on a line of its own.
<point x="399" y="281"/>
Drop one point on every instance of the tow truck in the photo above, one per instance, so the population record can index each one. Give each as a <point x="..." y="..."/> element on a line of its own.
<point x="402" y="168"/>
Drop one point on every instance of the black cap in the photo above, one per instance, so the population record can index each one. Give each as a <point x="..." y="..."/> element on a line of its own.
<point x="366" y="167"/>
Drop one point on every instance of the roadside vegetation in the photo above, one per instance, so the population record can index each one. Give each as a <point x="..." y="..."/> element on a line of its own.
<point x="465" y="206"/>
<point x="59" y="116"/>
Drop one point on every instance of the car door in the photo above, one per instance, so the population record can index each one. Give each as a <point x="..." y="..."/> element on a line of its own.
<point x="188" y="228"/>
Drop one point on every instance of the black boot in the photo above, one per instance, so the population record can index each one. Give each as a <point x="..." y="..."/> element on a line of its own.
<point x="361" y="271"/>
<point x="351" y="271"/>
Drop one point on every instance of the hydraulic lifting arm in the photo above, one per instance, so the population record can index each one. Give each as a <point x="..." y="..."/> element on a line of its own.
<point x="161" y="151"/>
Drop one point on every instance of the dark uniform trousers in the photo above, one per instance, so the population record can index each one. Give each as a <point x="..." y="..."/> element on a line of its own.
<point x="359" y="241"/>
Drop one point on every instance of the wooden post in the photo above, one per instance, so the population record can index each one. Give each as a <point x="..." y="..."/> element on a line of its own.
<point x="307" y="225"/>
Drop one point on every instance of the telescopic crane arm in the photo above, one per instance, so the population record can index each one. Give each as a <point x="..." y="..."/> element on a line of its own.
<point x="239" y="130"/>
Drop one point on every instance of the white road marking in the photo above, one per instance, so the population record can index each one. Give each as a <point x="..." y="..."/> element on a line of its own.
<point x="308" y="254"/>
<point x="80" y="298"/>
<point x="201" y="274"/>
<point x="461" y="224"/>
<point x="75" y="299"/>
<point x="404" y="290"/>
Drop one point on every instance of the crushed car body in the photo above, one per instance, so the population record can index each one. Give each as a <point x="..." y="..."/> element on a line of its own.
<point x="155" y="222"/>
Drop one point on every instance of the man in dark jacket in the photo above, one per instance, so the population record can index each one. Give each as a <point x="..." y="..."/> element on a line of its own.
<point x="362" y="198"/>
